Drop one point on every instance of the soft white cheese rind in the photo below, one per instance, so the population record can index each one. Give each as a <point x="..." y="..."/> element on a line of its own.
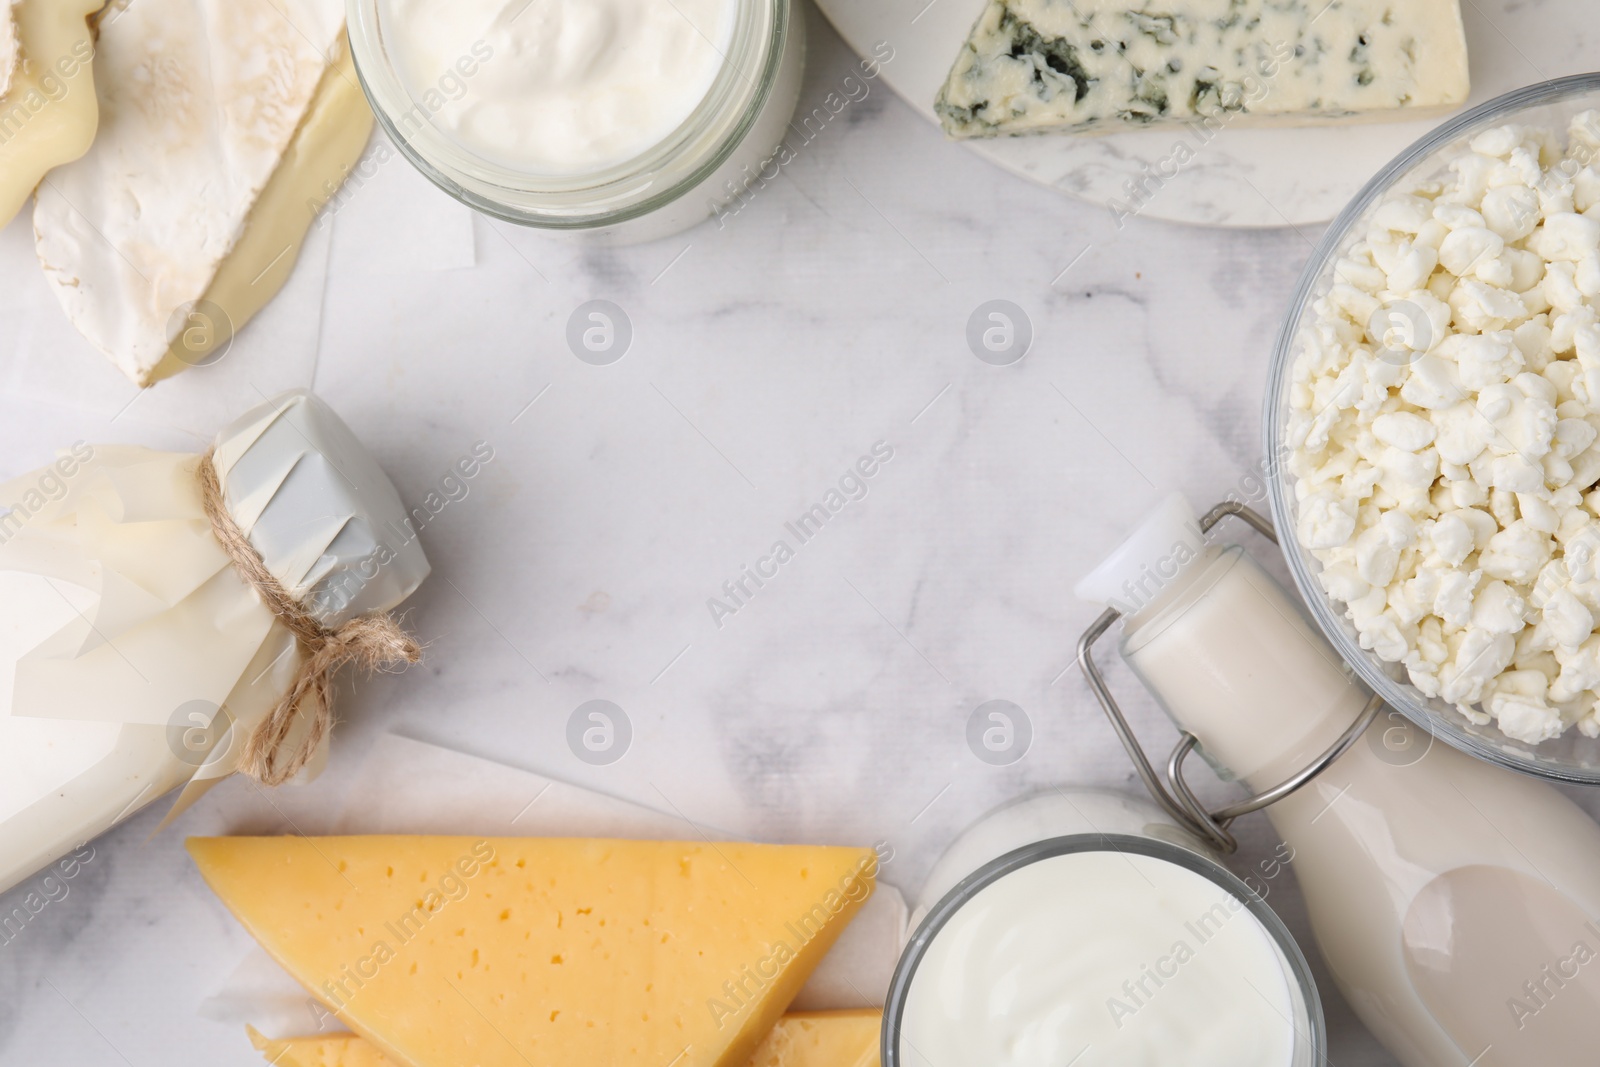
<point x="199" y="100"/>
<point x="1444" y="432"/>
<point x="10" y="44"/>
<point x="1038" y="65"/>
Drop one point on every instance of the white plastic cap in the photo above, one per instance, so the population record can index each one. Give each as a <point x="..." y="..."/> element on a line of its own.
<point x="1148" y="561"/>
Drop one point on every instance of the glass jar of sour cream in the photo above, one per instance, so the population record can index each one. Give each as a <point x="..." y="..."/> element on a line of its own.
<point x="616" y="120"/>
<point x="1084" y="927"/>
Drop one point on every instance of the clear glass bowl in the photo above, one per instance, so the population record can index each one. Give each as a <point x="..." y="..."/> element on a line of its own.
<point x="1570" y="757"/>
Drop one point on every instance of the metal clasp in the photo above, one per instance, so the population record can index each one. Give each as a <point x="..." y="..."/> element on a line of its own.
<point x="1179" y="801"/>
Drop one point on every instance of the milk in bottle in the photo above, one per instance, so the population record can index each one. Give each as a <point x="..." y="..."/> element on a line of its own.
<point x="1454" y="902"/>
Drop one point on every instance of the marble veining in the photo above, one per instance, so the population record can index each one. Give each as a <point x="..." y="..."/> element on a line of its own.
<point x="767" y="356"/>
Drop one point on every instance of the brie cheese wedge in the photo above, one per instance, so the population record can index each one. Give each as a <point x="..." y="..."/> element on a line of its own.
<point x="224" y="124"/>
<point x="48" y="111"/>
<point x="1040" y="65"/>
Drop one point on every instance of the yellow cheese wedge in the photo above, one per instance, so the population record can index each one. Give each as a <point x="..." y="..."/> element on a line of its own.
<point x="325" y="148"/>
<point x="542" y="952"/>
<point x="822" y="1039"/>
<point x="814" y="1039"/>
<point x="334" y="1050"/>
<point x="49" y="113"/>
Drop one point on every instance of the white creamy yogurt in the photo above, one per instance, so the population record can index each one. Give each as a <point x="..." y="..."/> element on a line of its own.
<point x="1097" y="959"/>
<point x="559" y="87"/>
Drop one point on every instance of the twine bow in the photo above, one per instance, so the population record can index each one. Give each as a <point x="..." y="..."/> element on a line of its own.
<point x="372" y="642"/>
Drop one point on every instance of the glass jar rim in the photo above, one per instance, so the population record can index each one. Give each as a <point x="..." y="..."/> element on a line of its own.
<point x="649" y="181"/>
<point x="1314" y="1039"/>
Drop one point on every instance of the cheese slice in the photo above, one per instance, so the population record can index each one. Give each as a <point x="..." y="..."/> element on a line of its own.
<point x="813" y="1039"/>
<point x="202" y="104"/>
<point x="334" y="1050"/>
<point x="1031" y="66"/>
<point x="822" y="1039"/>
<point x="48" y="111"/>
<point x="508" y="952"/>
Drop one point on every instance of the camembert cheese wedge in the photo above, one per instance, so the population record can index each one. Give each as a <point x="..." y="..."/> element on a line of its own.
<point x="510" y="952"/>
<point x="222" y="124"/>
<point x="48" y="110"/>
<point x="1031" y="66"/>
<point x="811" y="1039"/>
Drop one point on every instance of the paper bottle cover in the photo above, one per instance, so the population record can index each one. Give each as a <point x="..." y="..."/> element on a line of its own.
<point x="125" y="630"/>
<point x="324" y="516"/>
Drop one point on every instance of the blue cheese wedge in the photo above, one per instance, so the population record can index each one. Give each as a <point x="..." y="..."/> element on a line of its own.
<point x="1033" y="66"/>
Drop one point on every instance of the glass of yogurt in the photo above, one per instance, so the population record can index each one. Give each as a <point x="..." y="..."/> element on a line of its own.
<point x="614" y="120"/>
<point x="1084" y="928"/>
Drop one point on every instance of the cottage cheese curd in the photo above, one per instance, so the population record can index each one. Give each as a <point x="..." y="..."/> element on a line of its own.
<point x="559" y="86"/>
<point x="1445" y="409"/>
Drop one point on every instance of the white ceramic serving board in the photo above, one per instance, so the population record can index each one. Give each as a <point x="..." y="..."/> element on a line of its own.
<point x="1243" y="177"/>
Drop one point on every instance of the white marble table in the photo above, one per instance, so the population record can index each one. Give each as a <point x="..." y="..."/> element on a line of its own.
<point x="767" y="356"/>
